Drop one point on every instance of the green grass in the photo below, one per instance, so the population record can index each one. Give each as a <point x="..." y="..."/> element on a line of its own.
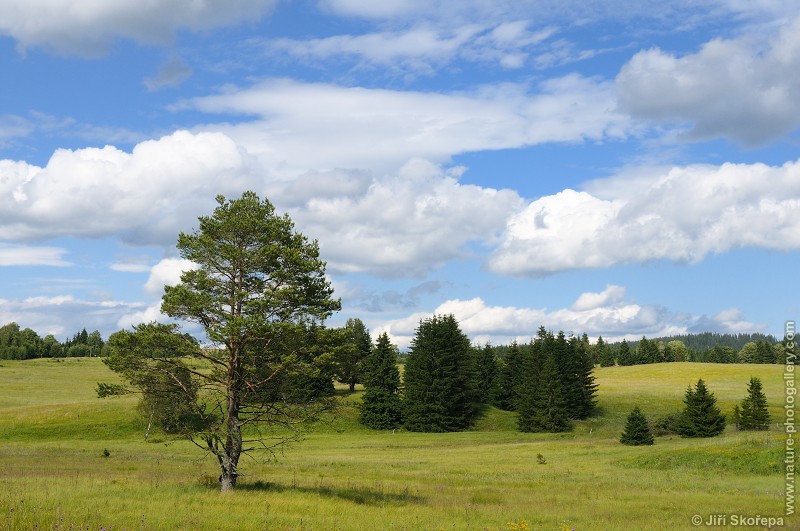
<point x="343" y="476"/>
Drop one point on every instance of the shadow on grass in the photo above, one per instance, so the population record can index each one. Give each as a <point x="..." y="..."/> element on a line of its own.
<point x="356" y="494"/>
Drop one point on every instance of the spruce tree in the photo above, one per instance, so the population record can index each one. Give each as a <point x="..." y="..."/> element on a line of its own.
<point x="438" y="378"/>
<point x="701" y="417"/>
<point x="486" y="374"/>
<point x="604" y="354"/>
<point x="542" y="407"/>
<point x="381" y="408"/>
<point x="624" y="356"/>
<point x="509" y="378"/>
<point x="754" y="413"/>
<point x="637" y="430"/>
<point x="348" y="362"/>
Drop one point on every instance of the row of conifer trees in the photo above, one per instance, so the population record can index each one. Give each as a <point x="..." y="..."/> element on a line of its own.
<point x="446" y="382"/>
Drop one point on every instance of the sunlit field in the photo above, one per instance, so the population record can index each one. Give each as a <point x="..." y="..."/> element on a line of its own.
<point x="68" y="458"/>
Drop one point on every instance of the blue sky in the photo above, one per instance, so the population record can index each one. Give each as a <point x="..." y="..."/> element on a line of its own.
<point x="617" y="168"/>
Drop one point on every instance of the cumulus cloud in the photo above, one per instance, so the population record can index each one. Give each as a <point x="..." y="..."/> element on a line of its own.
<point x="615" y="320"/>
<point x="590" y="301"/>
<point x="88" y="28"/>
<point x="739" y="88"/>
<point x="146" y="196"/>
<point x="399" y="224"/>
<point x="302" y="126"/>
<point x="680" y="214"/>
<point x="167" y="272"/>
<point x="18" y="255"/>
<point x="404" y="224"/>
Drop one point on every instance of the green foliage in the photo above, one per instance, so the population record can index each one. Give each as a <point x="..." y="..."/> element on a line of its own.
<point x="381" y="407"/>
<point x="349" y="361"/>
<point x="438" y="378"/>
<point x="701" y="417"/>
<point x="604" y="353"/>
<point x="624" y="355"/>
<point x="637" y="430"/>
<point x="754" y="414"/>
<point x="486" y="375"/>
<point x="666" y="425"/>
<point x="260" y="293"/>
<point x="510" y="375"/>
<point x="542" y="406"/>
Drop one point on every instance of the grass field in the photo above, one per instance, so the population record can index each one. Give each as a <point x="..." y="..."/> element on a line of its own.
<point x="54" y="475"/>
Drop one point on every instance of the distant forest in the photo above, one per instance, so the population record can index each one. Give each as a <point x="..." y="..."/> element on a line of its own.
<point x="16" y="344"/>
<point x="22" y="344"/>
<point x="708" y="340"/>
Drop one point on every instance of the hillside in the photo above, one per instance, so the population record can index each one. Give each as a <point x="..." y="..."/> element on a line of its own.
<point x="343" y="476"/>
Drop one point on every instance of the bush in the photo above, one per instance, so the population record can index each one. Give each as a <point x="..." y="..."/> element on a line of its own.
<point x="666" y="425"/>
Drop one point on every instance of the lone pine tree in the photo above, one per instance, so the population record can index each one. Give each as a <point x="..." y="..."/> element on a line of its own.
<point x="259" y="291"/>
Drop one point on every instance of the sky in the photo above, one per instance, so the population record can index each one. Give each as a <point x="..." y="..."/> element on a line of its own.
<point x="618" y="168"/>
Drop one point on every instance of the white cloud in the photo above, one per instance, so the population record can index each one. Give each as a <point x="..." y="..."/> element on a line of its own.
<point x="614" y="320"/>
<point x="682" y="214"/>
<point x="18" y="255"/>
<point x="130" y="268"/>
<point x="590" y="301"/>
<point x="167" y="272"/>
<point x="152" y="313"/>
<point x="303" y="126"/>
<point x="146" y="196"/>
<point x="741" y="88"/>
<point x="422" y="48"/>
<point x="88" y="28"/>
<point x="404" y="224"/>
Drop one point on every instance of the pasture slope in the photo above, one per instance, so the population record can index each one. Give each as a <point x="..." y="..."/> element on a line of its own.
<point x="55" y="474"/>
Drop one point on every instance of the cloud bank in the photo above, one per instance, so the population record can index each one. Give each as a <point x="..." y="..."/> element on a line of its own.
<point x="681" y="214"/>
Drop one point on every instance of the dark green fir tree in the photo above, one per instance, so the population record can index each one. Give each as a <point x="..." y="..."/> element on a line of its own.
<point x="509" y="379"/>
<point x="381" y="408"/>
<point x="486" y="375"/>
<point x="438" y="378"/>
<point x="637" y="430"/>
<point x="754" y="414"/>
<point x="701" y="417"/>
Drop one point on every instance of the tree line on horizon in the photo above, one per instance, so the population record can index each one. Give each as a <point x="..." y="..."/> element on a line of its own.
<point x="24" y="344"/>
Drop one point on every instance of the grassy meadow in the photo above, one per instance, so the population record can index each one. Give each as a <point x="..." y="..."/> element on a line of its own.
<point x="54" y="433"/>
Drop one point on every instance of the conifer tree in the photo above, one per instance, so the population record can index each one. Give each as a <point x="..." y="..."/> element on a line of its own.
<point x="348" y="363"/>
<point x="486" y="375"/>
<point x="624" y="356"/>
<point x="605" y="357"/>
<point x="701" y="417"/>
<point x="637" y="430"/>
<point x="438" y="378"/>
<point x="509" y="378"/>
<point x="381" y="408"/>
<point x="543" y="408"/>
<point x="754" y="413"/>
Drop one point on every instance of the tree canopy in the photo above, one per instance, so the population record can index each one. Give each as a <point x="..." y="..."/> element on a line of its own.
<point x="260" y="294"/>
